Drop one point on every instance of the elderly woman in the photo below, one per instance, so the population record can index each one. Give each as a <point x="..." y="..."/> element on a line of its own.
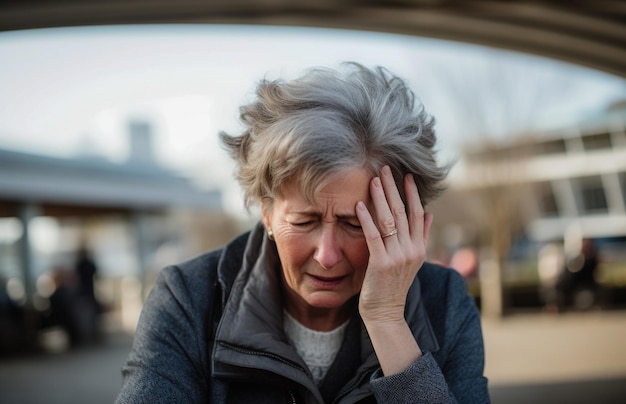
<point x="328" y="299"/>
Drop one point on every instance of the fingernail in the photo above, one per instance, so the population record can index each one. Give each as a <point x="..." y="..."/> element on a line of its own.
<point x="377" y="182"/>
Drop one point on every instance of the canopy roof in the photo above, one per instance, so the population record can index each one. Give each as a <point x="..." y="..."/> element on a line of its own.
<point x="590" y="33"/>
<point x="92" y="185"/>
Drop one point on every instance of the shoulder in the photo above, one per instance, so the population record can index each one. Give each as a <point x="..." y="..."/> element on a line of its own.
<point x="446" y="297"/>
<point x="192" y="274"/>
<point x="438" y="281"/>
<point x="208" y="266"/>
<point x="194" y="280"/>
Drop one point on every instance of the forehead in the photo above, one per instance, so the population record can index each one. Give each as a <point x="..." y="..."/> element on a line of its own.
<point x="343" y="189"/>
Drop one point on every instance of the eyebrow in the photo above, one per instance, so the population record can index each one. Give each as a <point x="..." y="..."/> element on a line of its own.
<point x="312" y="212"/>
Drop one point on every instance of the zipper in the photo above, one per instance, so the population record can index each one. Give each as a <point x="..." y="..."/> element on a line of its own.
<point x="239" y="349"/>
<point x="266" y="354"/>
<point x="348" y="388"/>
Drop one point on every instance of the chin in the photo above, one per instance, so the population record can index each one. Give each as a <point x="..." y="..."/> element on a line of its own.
<point x="327" y="302"/>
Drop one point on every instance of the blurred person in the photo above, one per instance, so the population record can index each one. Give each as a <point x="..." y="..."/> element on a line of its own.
<point x="86" y="270"/>
<point x="550" y="267"/>
<point x="64" y="308"/>
<point x="13" y="327"/>
<point x="577" y="286"/>
<point x="465" y="261"/>
<point x="88" y="307"/>
<point x="329" y="297"/>
<point x="587" y="275"/>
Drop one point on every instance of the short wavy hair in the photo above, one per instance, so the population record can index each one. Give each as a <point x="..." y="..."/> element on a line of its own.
<point x="330" y="120"/>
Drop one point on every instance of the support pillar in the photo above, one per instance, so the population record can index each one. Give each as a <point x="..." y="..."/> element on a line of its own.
<point x="26" y="213"/>
<point x="140" y="226"/>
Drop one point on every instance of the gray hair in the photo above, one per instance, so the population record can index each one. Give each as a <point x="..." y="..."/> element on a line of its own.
<point x="327" y="121"/>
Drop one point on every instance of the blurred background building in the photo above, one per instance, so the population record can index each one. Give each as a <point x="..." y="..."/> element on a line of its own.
<point x="529" y="191"/>
<point x="132" y="218"/>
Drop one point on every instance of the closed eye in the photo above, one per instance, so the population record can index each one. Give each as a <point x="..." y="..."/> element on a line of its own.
<point x="353" y="227"/>
<point x="303" y="224"/>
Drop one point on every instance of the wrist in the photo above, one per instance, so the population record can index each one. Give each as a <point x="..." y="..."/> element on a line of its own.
<point x="382" y="323"/>
<point x="394" y="344"/>
<point x="383" y="314"/>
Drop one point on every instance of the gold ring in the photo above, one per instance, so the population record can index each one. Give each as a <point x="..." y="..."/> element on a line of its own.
<point x="391" y="233"/>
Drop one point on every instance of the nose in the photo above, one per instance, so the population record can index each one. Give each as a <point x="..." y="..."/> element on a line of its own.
<point x="328" y="252"/>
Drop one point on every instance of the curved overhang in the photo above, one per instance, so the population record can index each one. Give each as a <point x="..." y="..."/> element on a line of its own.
<point x="588" y="33"/>
<point x="88" y="186"/>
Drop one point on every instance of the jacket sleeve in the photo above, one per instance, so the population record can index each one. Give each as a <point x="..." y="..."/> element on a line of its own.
<point x="169" y="361"/>
<point x="455" y="373"/>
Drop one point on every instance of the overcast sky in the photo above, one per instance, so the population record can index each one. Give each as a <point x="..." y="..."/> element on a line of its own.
<point x="66" y="91"/>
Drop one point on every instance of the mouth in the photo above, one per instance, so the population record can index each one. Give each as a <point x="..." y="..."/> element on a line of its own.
<point x="327" y="282"/>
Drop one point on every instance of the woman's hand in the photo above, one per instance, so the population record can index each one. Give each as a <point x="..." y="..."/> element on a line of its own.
<point x="395" y="259"/>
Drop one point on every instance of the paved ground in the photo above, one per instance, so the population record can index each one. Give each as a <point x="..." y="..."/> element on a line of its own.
<point x="573" y="358"/>
<point x="548" y="348"/>
<point x="88" y="375"/>
<point x="570" y="358"/>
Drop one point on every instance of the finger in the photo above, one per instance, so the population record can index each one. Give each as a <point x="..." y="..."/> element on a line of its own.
<point x="373" y="239"/>
<point x="394" y="202"/>
<point x="384" y="217"/>
<point x="428" y="221"/>
<point x="415" y="211"/>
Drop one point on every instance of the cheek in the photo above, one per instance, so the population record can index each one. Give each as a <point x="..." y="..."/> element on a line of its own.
<point x="359" y="258"/>
<point x="359" y="255"/>
<point x="293" y="253"/>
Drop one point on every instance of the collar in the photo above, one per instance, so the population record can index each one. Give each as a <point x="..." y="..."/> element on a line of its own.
<point x="250" y="336"/>
<point x="251" y="328"/>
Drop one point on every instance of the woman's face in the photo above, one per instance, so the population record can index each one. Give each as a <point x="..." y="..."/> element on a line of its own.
<point x="321" y="246"/>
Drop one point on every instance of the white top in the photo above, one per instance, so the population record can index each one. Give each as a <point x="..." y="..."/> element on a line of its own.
<point x="317" y="348"/>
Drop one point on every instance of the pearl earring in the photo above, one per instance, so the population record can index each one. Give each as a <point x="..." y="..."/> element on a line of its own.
<point x="270" y="235"/>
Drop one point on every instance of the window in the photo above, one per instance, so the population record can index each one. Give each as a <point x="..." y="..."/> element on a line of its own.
<point x="597" y="141"/>
<point x="592" y="197"/>
<point x="556" y="146"/>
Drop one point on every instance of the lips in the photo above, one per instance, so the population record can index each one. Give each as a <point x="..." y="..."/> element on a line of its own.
<point x="327" y="281"/>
